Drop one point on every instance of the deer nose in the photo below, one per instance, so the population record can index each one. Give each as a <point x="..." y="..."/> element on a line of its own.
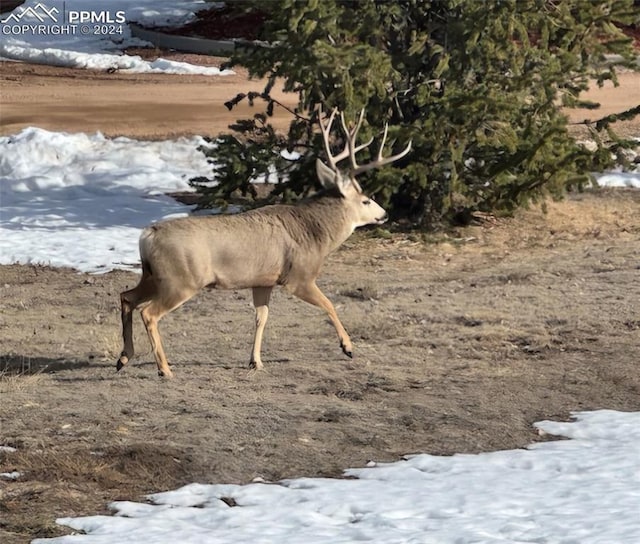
<point x="384" y="218"/>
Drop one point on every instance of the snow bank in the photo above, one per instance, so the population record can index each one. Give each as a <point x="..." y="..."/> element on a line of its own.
<point x="584" y="490"/>
<point x="618" y="179"/>
<point x="80" y="200"/>
<point x="30" y="34"/>
<point x="105" y="61"/>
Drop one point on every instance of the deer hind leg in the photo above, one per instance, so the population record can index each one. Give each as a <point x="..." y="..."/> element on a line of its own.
<point x="311" y="293"/>
<point x="151" y="314"/>
<point x="129" y="301"/>
<point x="261" y="296"/>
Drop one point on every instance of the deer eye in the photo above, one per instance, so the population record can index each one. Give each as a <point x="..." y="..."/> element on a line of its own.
<point x="366" y="202"/>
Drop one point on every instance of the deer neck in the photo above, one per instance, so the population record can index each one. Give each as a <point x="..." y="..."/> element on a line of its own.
<point x="324" y="221"/>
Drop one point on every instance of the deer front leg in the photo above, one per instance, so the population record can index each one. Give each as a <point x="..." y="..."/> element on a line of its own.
<point x="150" y="317"/>
<point x="311" y="293"/>
<point x="261" y="296"/>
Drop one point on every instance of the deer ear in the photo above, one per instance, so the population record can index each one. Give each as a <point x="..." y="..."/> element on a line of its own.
<point x="327" y="177"/>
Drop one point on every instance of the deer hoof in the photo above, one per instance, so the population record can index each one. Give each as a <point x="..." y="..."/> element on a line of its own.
<point x="346" y="351"/>
<point x="121" y="362"/>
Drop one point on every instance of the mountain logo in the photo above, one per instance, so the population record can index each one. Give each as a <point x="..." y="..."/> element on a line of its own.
<point x="40" y="12"/>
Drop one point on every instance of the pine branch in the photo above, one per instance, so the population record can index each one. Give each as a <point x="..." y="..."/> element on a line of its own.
<point x="607" y="120"/>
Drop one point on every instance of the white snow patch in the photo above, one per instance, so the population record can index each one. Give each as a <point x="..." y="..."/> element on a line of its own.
<point x="10" y="475"/>
<point x="78" y="200"/>
<point x="96" y="46"/>
<point x="618" y="179"/>
<point x="585" y="490"/>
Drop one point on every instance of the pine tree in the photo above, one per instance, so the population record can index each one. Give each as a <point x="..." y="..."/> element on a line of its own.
<point x="477" y="86"/>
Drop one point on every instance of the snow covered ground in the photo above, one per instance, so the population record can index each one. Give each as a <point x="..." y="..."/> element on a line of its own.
<point x="80" y="200"/>
<point x="619" y="179"/>
<point x="580" y="491"/>
<point x="46" y="32"/>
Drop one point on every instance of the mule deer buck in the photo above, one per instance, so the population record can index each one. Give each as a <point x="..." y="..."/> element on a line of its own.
<point x="258" y="249"/>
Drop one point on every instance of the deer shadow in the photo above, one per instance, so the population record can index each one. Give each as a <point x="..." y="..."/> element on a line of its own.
<point x="18" y="365"/>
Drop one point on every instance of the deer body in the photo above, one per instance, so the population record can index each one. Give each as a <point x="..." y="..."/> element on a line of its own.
<point x="259" y="249"/>
<point x="274" y="245"/>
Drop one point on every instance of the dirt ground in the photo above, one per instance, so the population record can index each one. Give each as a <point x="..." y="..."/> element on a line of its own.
<point x="157" y="106"/>
<point x="461" y="341"/>
<point x="148" y="106"/>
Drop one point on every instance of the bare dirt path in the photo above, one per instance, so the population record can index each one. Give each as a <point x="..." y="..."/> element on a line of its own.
<point x="163" y="106"/>
<point x="460" y="345"/>
<point x="147" y="106"/>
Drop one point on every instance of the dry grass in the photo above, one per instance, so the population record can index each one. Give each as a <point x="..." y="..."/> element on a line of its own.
<point x="11" y="383"/>
<point x="141" y="466"/>
<point x="19" y="374"/>
<point x="59" y="482"/>
<point x="458" y="348"/>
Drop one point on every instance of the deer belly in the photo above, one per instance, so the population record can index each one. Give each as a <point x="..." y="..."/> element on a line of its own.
<point x="233" y="271"/>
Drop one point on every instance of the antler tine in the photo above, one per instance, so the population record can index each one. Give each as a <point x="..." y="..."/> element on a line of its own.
<point x="351" y="139"/>
<point x="350" y="148"/>
<point x="326" y="134"/>
<point x="384" y="139"/>
<point x="380" y="160"/>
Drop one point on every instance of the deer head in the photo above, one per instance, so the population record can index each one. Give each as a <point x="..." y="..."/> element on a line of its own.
<point x="365" y="209"/>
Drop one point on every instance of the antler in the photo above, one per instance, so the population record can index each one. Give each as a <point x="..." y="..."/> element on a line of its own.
<point x="350" y="147"/>
<point x="380" y="160"/>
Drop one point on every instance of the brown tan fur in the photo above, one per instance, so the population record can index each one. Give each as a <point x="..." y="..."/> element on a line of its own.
<point x="259" y="249"/>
